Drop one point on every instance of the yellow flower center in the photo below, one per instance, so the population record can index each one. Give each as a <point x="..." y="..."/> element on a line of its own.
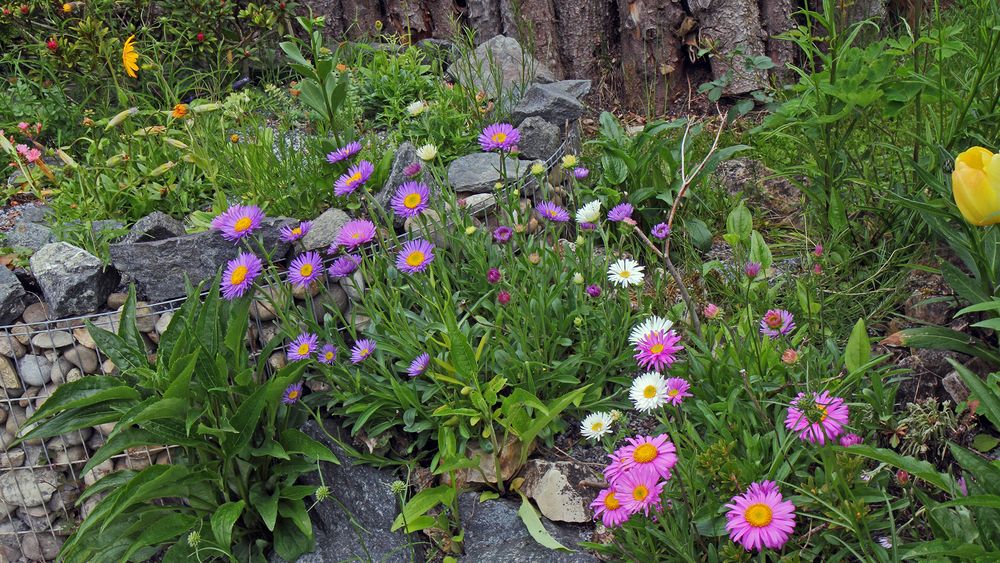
<point x="297" y="231"/>
<point x="328" y="356"/>
<point x="355" y="235"/>
<point x="306" y="270"/>
<point x="293" y="394"/>
<point x="673" y="393"/>
<point x="597" y="426"/>
<point x="238" y="275"/>
<point x="499" y="137"/>
<point x="242" y="225"/>
<point x="363" y="352"/>
<point x="625" y="274"/>
<point x="644" y="453"/>
<point x="656" y="348"/>
<point x="649" y="392"/>
<point x="412" y="201"/>
<point x="415" y="258"/>
<point x="640" y="493"/>
<point x="355" y="178"/>
<point x="758" y="515"/>
<point x="611" y="502"/>
<point x="303" y="349"/>
<point x="822" y="411"/>
<point x="552" y="212"/>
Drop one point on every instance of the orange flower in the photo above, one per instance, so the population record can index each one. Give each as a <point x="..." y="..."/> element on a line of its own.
<point x="130" y="57"/>
<point x="180" y="110"/>
<point x="234" y="138"/>
<point x="341" y="67"/>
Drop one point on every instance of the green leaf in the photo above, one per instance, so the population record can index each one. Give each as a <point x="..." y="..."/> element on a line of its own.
<point x="698" y="232"/>
<point x="121" y="441"/>
<point x="535" y="527"/>
<point x="858" y="350"/>
<point x="158" y="527"/>
<point x="985" y="501"/>
<point x="966" y="287"/>
<point x="739" y="223"/>
<point x="936" y="338"/>
<point x="125" y="356"/>
<point x="420" y="503"/>
<point x="985" y="443"/>
<point x="759" y="251"/>
<point x="918" y="468"/>
<point x="265" y="505"/>
<point x="223" y="519"/>
<point x="835" y="212"/>
<point x="84" y="392"/>
<point x="988" y="396"/>
<point x="296" y="441"/>
<point x="462" y="355"/>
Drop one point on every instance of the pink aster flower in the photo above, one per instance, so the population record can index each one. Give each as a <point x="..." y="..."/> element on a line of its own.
<point x="292" y="233"/>
<point x="23" y="126"/>
<point x="415" y="256"/>
<point x="344" y="266"/>
<point x="658" y="350"/>
<point x="22" y="149"/>
<point x="677" y="390"/>
<point x="621" y="212"/>
<point x="494" y="275"/>
<point x="499" y="137"/>
<point x="552" y="212"/>
<point x="33" y="155"/>
<point x="410" y="199"/>
<point x="777" y="322"/>
<point x="752" y="269"/>
<point x="303" y="347"/>
<point x="817" y="417"/>
<point x="305" y="269"/>
<point x="292" y="393"/>
<point x="355" y="233"/>
<point x="760" y="518"/>
<point x="848" y="440"/>
<point x="412" y="169"/>
<point x="355" y="176"/>
<point x="502" y="234"/>
<point x="580" y="172"/>
<point x="658" y="453"/>
<point x="503" y="297"/>
<point x="419" y="365"/>
<point x="344" y="152"/>
<point x="594" y="290"/>
<point x="361" y="350"/>
<point x="661" y="231"/>
<point x="609" y="509"/>
<point x="639" y="490"/>
<point x="818" y="250"/>
<point x="238" y="222"/>
<point x="240" y="274"/>
<point x="711" y="311"/>
<point x="328" y="354"/>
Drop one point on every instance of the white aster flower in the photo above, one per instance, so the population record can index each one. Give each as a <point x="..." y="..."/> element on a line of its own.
<point x="649" y="391"/>
<point x="596" y="425"/>
<point x="625" y="272"/>
<point x="590" y="213"/>
<point x="427" y="152"/>
<point x="578" y="278"/>
<point x="648" y="326"/>
<point x="416" y="108"/>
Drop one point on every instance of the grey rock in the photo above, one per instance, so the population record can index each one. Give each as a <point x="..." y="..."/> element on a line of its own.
<point x="28" y="488"/>
<point x="539" y="138"/>
<point x="555" y="488"/>
<point x="155" y="226"/>
<point x="52" y="339"/>
<point x="12" y="297"/>
<point x="501" y="56"/>
<point x="325" y="229"/>
<point x="479" y="172"/>
<point x="73" y="280"/>
<point x="34" y="213"/>
<point x="494" y="533"/>
<point x="549" y="102"/>
<point x="35" y="370"/>
<point x="29" y="235"/>
<point x="955" y="387"/>
<point x="405" y="155"/>
<point x="83" y="358"/>
<point x="36" y="313"/>
<point x="576" y="88"/>
<point x="41" y="547"/>
<point x="10" y="346"/>
<point x="478" y="204"/>
<point x="160" y="267"/>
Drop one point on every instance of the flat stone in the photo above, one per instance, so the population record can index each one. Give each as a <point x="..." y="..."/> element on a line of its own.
<point x="163" y="322"/>
<point x="36" y="313"/>
<point x="82" y="335"/>
<point x="34" y="213"/>
<point x="479" y="204"/>
<point x="145" y="317"/>
<point x="73" y="281"/>
<point x="550" y="103"/>
<point x="539" y="138"/>
<point x="8" y="375"/>
<point x="52" y="339"/>
<point x="35" y="370"/>
<point x="41" y="547"/>
<point x="555" y="488"/>
<point x="325" y="229"/>
<point x="498" y="60"/>
<point x="576" y="88"/>
<point x="12" y="296"/>
<point x="28" y="488"/>
<point x="116" y="300"/>
<point x="29" y="235"/>
<point x="10" y="346"/>
<point x="479" y="172"/>
<point x="155" y="226"/>
<point x="83" y="358"/>
<point x="21" y="332"/>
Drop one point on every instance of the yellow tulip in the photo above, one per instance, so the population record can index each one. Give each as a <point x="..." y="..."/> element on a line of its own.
<point x="975" y="183"/>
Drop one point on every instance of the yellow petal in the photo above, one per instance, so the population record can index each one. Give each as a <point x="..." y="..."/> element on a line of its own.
<point x="975" y="184"/>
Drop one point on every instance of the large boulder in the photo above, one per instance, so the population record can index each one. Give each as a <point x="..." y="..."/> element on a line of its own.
<point x="499" y="58"/>
<point x="155" y="226"/>
<point x="73" y="281"/>
<point x="551" y="102"/>
<point x="25" y="234"/>
<point x="325" y="229"/>
<point x="11" y="297"/>
<point x="479" y="172"/>
<point x="539" y="138"/>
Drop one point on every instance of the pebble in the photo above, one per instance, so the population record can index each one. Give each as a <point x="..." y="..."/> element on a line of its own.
<point x="8" y="375"/>
<point x="35" y="313"/>
<point x="22" y="333"/>
<point x="10" y="346"/>
<point x="52" y="339"/>
<point x="82" y="336"/>
<point x="163" y="322"/>
<point x="83" y="358"/>
<point x="41" y="547"/>
<point x="35" y="370"/>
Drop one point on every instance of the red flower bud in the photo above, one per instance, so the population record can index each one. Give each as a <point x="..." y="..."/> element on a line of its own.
<point x="25" y="9"/>
<point x="200" y="37"/>
<point x="52" y="45"/>
<point x="902" y="477"/>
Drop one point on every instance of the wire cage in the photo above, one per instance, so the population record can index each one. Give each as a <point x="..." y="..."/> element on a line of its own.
<point x="41" y="479"/>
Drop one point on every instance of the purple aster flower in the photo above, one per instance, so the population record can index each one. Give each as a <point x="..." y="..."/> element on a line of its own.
<point x="621" y="212"/>
<point x="848" y="440"/>
<point x="355" y="233"/>
<point x="344" y="266"/>
<point x="777" y="322"/>
<point x="494" y="275"/>
<point x="415" y="256"/>
<point x="658" y="350"/>
<point x="292" y="393"/>
<point x="328" y="354"/>
<point x="587" y="226"/>
<point x="344" y="152"/>
<point x="419" y="365"/>
<point x="661" y="231"/>
<point x="361" y="350"/>
<point x="594" y="290"/>
<point x="412" y="169"/>
<point x="410" y="199"/>
<point x="817" y="417"/>
<point x="502" y="234"/>
<point x="499" y="137"/>
<point x="290" y="233"/>
<point x="752" y="269"/>
<point x="677" y="390"/>
<point x="303" y="347"/>
<point x="353" y="178"/>
<point x="552" y="212"/>
<point x="305" y="269"/>
<point x="580" y="172"/>
<point x="238" y="222"/>
<point x="240" y="274"/>
<point x="503" y="297"/>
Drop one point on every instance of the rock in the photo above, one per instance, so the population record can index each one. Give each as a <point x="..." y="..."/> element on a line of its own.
<point x="82" y="335"/>
<point x="301" y="291"/>
<point x="163" y="322"/>
<point x="145" y="317"/>
<point x="550" y="103"/>
<point x="539" y="138"/>
<point x="12" y="297"/>
<point x="52" y="339"/>
<point x="325" y="229"/>
<point x="21" y="332"/>
<point x="11" y="458"/>
<point x="334" y="298"/>
<point x="97" y="473"/>
<point x="480" y="204"/>
<point x="60" y="368"/>
<point x="359" y="517"/>
<point x="510" y="463"/>
<point x="28" y="487"/>
<point x="405" y="155"/>
<point x="116" y="300"/>
<point x="34" y="213"/>
<point x="73" y="375"/>
<point x="160" y="267"/>
<point x="927" y="370"/>
<point x="763" y="187"/>
<point x="36" y="313"/>
<point x="555" y="488"/>
<point x="426" y="225"/>
<point x="575" y="88"/>
<point x="500" y="55"/>
<point x="83" y="358"/>
<point x="10" y="346"/>
<point x="35" y="370"/>
<point x="8" y="375"/>
<point x="494" y="533"/>
<point x="155" y="226"/>
<point x="29" y="235"/>
<point x="41" y="547"/>
<point x="73" y="281"/>
<point x="263" y="307"/>
<point x="479" y="172"/>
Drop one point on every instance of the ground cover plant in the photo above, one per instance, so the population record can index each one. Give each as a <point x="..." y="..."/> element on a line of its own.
<point x="737" y="371"/>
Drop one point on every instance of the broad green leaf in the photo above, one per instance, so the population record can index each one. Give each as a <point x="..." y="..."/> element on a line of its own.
<point x="420" y="503"/>
<point x="158" y="527"/>
<point x="534" y="525"/>
<point x="936" y="338"/>
<point x="966" y="287"/>
<point x="988" y="395"/>
<point x="121" y="441"/>
<point x="223" y="519"/>
<point x="984" y="443"/>
<point x="84" y="392"/>
<point x="759" y="251"/>
<point x="918" y="468"/>
<point x="296" y="441"/>
<point x="858" y="350"/>
<point x="739" y="223"/>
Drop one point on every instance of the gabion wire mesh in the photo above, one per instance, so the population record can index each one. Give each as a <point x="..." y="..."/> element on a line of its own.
<point x="40" y="479"/>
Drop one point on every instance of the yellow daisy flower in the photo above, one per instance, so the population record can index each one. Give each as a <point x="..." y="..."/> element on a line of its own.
<point x="130" y="57"/>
